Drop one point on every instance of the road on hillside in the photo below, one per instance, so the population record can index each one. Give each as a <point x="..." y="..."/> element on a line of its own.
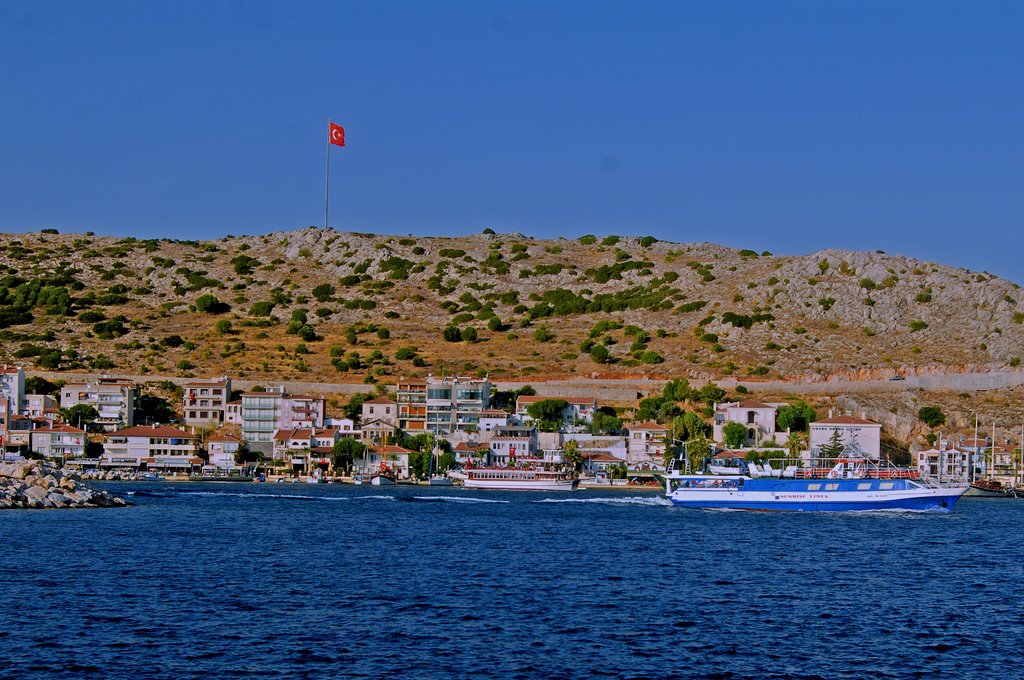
<point x="624" y="390"/>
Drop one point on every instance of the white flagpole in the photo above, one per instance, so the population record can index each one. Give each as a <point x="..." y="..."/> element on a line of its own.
<point x="327" y="172"/>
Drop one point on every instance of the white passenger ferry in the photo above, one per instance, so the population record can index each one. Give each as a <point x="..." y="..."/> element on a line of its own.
<point x="842" y="484"/>
<point x="518" y="479"/>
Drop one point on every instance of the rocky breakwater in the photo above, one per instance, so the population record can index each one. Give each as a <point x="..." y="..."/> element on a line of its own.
<point x="35" y="484"/>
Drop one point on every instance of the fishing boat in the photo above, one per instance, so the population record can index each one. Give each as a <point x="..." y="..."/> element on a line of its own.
<point x="990" y="488"/>
<point x="841" y="484"/>
<point x="518" y="479"/>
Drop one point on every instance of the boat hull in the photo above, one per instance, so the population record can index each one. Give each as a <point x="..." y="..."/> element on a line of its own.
<point x="381" y="480"/>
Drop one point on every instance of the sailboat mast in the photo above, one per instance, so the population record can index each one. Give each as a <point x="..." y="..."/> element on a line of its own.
<point x="974" y="458"/>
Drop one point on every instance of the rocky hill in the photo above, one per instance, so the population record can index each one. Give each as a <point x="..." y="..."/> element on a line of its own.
<point x="316" y="305"/>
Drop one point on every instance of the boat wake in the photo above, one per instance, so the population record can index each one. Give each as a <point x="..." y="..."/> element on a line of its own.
<point x="454" y="499"/>
<point x="612" y="500"/>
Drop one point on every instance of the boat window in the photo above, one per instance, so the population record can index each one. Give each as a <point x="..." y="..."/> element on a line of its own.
<point x="814" y="487"/>
<point x="863" y="486"/>
<point x="831" y="487"/>
<point x="886" y="485"/>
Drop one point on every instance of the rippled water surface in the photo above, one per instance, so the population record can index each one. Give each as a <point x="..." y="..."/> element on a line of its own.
<point x="301" y="581"/>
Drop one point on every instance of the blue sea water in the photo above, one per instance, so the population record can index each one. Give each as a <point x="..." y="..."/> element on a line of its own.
<point x="302" y="581"/>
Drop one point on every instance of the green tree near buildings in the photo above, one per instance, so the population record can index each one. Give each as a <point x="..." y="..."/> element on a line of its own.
<point x="795" y="417"/>
<point x="548" y="413"/>
<point x="796" y="444"/>
<point x="79" y="415"/>
<point x="345" y="452"/>
<point x="735" y="435"/>
<point x="834" y="447"/>
<point x="698" y="450"/>
<point x="572" y="455"/>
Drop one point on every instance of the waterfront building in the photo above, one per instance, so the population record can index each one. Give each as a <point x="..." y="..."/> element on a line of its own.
<point x="222" y="449"/>
<point x="647" y="442"/>
<point x="265" y="412"/>
<point x="115" y="399"/>
<point x="856" y="434"/>
<point x="379" y="420"/>
<point x="442" y="405"/>
<point x="233" y="412"/>
<point x="945" y="461"/>
<point x="205" y="401"/>
<point x="758" y="418"/>
<point x="58" y="441"/>
<point x="469" y="451"/>
<point x="576" y="416"/>
<point x="507" y="450"/>
<point x="151" y="447"/>
<point x="395" y="458"/>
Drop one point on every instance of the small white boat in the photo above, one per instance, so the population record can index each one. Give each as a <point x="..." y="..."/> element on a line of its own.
<point x="149" y="477"/>
<point x="440" y="480"/>
<point x="383" y="480"/>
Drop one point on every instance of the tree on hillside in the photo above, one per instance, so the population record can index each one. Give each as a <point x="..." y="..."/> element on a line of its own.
<point x="677" y="389"/>
<point x="932" y="416"/>
<point x="735" y="435"/>
<point x="39" y="385"/>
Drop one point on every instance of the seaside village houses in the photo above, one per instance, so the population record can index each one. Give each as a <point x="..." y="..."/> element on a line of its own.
<point x="295" y="429"/>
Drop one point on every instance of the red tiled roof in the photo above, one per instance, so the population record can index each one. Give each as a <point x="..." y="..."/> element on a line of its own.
<point x="285" y="435"/>
<point x="750" y="403"/>
<point x="224" y="438"/>
<point x="60" y="427"/>
<point x="647" y="426"/>
<point x="379" y="400"/>
<point x="391" y="448"/>
<point x="153" y="431"/>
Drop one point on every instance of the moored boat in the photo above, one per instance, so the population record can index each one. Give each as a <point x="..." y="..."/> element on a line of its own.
<point x="518" y="479"/>
<point x="990" y="488"/>
<point x="837" y="485"/>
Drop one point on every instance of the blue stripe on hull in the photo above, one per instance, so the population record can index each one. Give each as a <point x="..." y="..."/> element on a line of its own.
<point x="934" y="503"/>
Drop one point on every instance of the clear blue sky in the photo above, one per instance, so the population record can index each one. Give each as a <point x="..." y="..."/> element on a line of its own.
<point x="786" y="126"/>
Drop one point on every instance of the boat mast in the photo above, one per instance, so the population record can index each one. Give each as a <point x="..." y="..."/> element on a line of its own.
<point x="992" y="450"/>
<point x="974" y="458"/>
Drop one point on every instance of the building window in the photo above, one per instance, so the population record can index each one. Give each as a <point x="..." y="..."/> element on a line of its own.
<point x="751" y="415"/>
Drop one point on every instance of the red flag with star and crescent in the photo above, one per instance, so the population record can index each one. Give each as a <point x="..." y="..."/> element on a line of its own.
<point x="337" y="134"/>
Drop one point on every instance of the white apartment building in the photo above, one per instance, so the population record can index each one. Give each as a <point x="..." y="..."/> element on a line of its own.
<point x="647" y="442"/>
<point x="205" y="401"/>
<point x="151" y="447"/>
<point x="114" y="399"/>
<point x="856" y="434"/>
<point x="58" y="441"/>
<point x="758" y="418"/>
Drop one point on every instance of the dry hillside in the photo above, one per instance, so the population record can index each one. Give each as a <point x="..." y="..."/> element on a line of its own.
<point x="379" y="306"/>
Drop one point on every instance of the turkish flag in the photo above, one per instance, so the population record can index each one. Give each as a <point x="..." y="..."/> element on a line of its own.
<point x="337" y="135"/>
